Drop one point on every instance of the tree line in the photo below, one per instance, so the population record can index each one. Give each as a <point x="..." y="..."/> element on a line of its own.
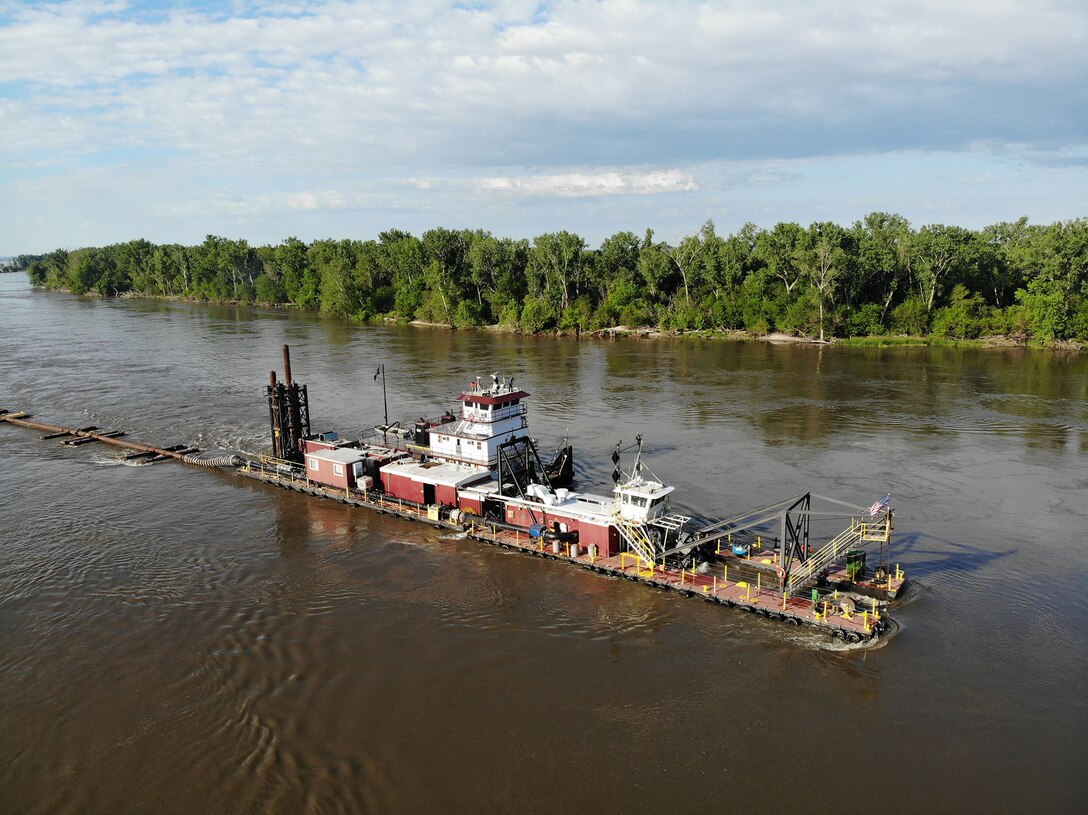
<point x="878" y="276"/>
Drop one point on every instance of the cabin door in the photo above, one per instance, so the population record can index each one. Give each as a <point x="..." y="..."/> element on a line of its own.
<point x="428" y="493"/>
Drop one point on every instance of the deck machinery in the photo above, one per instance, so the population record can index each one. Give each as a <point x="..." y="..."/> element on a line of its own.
<point x="288" y="413"/>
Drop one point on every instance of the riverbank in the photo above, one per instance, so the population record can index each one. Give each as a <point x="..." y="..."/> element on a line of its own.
<point x="651" y="332"/>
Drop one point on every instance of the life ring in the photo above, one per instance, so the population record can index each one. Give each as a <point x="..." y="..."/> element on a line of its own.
<point x="781" y="573"/>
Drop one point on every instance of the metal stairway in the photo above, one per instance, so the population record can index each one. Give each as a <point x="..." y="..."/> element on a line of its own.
<point x="821" y="559"/>
<point x="848" y="539"/>
<point x="637" y="540"/>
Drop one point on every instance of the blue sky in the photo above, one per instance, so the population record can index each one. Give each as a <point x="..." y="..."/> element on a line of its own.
<point x="262" y="120"/>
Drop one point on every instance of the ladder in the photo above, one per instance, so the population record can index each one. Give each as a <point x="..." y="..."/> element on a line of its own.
<point x="817" y="561"/>
<point x="637" y="540"/>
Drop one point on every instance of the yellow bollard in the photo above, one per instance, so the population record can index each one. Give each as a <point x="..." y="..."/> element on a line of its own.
<point x="725" y="574"/>
<point x="783" y="601"/>
<point x="865" y="617"/>
<point x="759" y="542"/>
<point x="759" y="582"/>
<point x="825" y="610"/>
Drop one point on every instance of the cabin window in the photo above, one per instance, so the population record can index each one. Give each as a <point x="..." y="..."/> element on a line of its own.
<point x="358" y="468"/>
<point x="638" y="500"/>
<point x="478" y="445"/>
<point x="626" y="498"/>
<point x="313" y="464"/>
<point x="468" y="404"/>
<point x="338" y="469"/>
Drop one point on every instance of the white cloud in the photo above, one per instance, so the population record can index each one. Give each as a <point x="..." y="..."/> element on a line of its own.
<point x="578" y="185"/>
<point x="243" y="110"/>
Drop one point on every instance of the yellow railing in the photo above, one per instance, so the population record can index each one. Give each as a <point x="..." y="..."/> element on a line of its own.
<point x="640" y="564"/>
<point x="637" y="540"/>
<point x="846" y="539"/>
<point x="879" y="532"/>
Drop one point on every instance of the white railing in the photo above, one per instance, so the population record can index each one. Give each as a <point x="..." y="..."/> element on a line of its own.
<point x="475" y="415"/>
<point x="637" y="540"/>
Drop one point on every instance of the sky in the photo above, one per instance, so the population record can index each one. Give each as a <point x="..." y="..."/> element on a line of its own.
<point x="263" y="120"/>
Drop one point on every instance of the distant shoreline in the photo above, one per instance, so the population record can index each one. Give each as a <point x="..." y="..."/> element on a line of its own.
<point x="642" y="332"/>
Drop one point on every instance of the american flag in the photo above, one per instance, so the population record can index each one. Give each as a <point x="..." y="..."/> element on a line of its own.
<point x="879" y="505"/>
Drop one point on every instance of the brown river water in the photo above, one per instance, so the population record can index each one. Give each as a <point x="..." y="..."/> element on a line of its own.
<point x="174" y="640"/>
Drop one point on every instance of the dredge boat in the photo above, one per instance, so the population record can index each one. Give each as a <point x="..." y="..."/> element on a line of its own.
<point x="478" y="471"/>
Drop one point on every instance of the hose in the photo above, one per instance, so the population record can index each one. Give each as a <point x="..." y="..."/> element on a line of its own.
<point x="230" y="460"/>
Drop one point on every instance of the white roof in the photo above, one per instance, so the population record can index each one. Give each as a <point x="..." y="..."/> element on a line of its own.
<point x="341" y="455"/>
<point x="449" y="475"/>
<point x="596" y="508"/>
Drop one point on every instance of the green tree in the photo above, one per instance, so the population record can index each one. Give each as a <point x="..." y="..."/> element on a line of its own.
<point x="555" y="266"/>
<point x="822" y="256"/>
<point x="882" y="260"/>
<point x="291" y="264"/>
<point x="777" y="250"/>
<point x="940" y="253"/>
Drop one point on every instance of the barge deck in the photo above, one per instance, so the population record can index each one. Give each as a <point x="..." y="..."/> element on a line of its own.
<point x="757" y="597"/>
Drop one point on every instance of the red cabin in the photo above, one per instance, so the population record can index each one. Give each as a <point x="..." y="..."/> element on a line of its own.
<point x="335" y="467"/>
